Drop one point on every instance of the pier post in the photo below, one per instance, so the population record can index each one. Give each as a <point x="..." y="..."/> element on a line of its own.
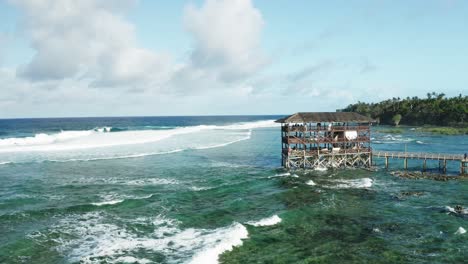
<point x="304" y="162"/>
<point x="445" y="166"/>
<point x="424" y="165"/>
<point x="405" y="162"/>
<point x="386" y="162"/>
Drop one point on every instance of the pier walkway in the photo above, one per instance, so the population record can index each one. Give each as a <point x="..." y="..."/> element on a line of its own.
<point x="442" y="158"/>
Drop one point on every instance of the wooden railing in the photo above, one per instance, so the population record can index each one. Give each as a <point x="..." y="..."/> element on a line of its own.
<point x="305" y="140"/>
<point x="301" y="152"/>
<point x="417" y="155"/>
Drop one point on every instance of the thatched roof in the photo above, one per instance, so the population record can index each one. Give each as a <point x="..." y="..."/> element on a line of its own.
<point x="315" y="117"/>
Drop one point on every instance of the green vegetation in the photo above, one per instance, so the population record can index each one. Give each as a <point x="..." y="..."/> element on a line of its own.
<point x="434" y="110"/>
<point x="392" y="131"/>
<point x="396" y="119"/>
<point x="445" y="130"/>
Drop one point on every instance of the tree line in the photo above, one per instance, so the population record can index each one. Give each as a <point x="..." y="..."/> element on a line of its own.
<point x="436" y="110"/>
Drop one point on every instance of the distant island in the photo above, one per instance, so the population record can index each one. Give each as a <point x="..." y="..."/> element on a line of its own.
<point x="435" y="110"/>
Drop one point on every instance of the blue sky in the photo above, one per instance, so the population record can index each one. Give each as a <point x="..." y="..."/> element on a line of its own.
<point x="126" y="57"/>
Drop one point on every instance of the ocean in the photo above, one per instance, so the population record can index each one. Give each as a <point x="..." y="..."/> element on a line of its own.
<point x="211" y="190"/>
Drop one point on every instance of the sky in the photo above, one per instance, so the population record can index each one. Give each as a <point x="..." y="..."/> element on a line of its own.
<point x="72" y="58"/>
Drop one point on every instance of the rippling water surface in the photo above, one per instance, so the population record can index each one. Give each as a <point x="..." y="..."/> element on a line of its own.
<point x="210" y="189"/>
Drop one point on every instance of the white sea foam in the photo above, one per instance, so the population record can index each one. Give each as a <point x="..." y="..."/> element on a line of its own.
<point x="43" y="139"/>
<point x="311" y="183"/>
<point x="96" y="144"/>
<point x="152" y="181"/>
<point x="139" y="155"/>
<point x="125" y="181"/>
<point x="269" y="221"/>
<point x="220" y="241"/>
<point x="195" y="188"/>
<point x="112" y="199"/>
<point x="354" y="183"/>
<point x="5" y="162"/>
<point x="93" y="240"/>
<point x="108" y="202"/>
<point x="320" y="169"/>
<point x="452" y="210"/>
<point x="251" y="125"/>
<point x="225" y="144"/>
<point x="460" y="231"/>
<point x="280" y="175"/>
<point x="103" y="129"/>
<point x="128" y="259"/>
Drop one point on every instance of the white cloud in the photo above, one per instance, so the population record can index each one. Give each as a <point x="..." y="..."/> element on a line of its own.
<point x="82" y="46"/>
<point x="87" y="39"/>
<point x="226" y="33"/>
<point x="227" y="50"/>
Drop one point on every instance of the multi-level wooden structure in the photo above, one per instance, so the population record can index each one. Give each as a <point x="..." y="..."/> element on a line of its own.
<point x="326" y="139"/>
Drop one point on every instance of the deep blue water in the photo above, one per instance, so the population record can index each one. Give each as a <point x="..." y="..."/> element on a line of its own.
<point x="187" y="189"/>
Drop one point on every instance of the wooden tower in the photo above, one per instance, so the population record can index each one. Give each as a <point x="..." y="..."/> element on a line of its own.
<point x="326" y="140"/>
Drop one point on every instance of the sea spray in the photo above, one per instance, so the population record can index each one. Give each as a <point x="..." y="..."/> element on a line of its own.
<point x="311" y="183"/>
<point x="354" y="183"/>
<point x="460" y="231"/>
<point x="228" y="238"/>
<point x="269" y="221"/>
<point x="96" y="239"/>
<point x="70" y="140"/>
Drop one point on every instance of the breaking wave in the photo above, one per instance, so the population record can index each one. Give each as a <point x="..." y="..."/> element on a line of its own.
<point x="449" y="209"/>
<point x="118" y="201"/>
<point x="311" y="183"/>
<point x="93" y="240"/>
<point x="99" y="137"/>
<point x="392" y="139"/>
<point x="269" y="221"/>
<point x="354" y="183"/>
<point x="99" y="144"/>
<point x="108" y="202"/>
<point x="280" y="175"/>
<point x="460" y="231"/>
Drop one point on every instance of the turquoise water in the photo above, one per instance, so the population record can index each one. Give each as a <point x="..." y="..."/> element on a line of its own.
<point x="210" y="189"/>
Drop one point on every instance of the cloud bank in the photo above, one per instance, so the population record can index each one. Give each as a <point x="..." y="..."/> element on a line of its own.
<point x="86" y="59"/>
<point x="87" y="39"/>
<point x="90" y="40"/>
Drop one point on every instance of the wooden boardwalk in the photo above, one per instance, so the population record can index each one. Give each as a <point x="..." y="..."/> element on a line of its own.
<point x="442" y="158"/>
<point x="417" y="155"/>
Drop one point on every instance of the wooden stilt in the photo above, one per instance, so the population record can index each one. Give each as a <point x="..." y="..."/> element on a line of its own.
<point x="424" y="166"/>
<point x="386" y="162"/>
<point x="405" y="162"/>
